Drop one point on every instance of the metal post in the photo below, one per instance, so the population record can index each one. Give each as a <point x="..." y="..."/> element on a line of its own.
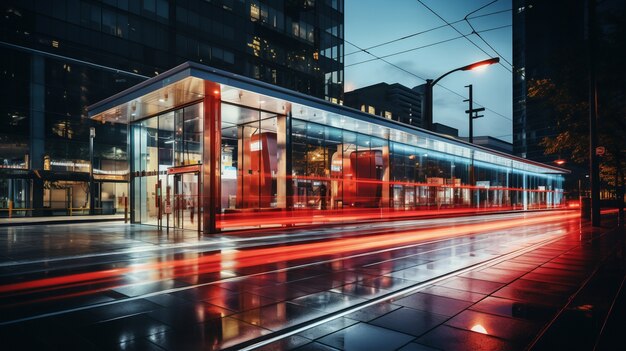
<point x="92" y="135"/>
<point x="594" y="169"/>
<point x="471" y="112"/>
<point x="428" y="106"/>
<point x="125" y="208"/>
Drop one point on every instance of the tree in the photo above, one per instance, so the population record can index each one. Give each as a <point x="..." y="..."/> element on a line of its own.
<point x="566" y="96"/>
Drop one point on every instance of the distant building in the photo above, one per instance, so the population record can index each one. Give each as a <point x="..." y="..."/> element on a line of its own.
<point x="446" y="130"/>
<point x="492" y="143"/>
<point x="390" y="101"/>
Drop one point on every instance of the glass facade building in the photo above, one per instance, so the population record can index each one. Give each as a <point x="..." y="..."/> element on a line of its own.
<point x="214" y="151"/>
<point x="60" y="56"/>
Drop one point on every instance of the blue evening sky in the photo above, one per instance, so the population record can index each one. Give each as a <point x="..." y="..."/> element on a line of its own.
<point x="372" y="22"/>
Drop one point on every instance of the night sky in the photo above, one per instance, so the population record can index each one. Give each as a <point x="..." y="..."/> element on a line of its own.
<point x="372" y="22"/>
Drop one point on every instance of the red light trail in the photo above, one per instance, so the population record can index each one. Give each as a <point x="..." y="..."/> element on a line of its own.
<point x="225" y="260"/>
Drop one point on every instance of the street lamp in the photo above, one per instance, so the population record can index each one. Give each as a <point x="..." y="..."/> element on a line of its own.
<point x="428" y="90"/>
<point x="428" y="106"/>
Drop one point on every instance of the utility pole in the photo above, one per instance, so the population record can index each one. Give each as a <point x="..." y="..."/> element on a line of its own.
<point x="472" y="112"/>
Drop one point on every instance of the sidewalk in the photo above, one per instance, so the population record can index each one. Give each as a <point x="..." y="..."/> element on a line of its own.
<point x="20" y="221"/>
<point x="568" y="295"/>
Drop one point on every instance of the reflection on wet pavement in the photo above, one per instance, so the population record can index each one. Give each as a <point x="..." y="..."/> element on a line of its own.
<point x="476" y="283"/>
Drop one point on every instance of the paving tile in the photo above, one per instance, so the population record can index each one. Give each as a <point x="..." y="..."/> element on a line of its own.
<point x="239" y="302"/>
<point x="413" y="346"/>
<point x="515" y="309"/>
<point x="316" y="346"/>
<point x="327" y="328"/>
<point x="473" y="285"/>
<point x="368" y="313"/>
<point x="283" y="292"/>
<point x="146" y="288"/>
<point x="365" y="337"/>
<point x="167" y="300"/>
<point x="327" y="301"/>
<point x="519" y="266"/>
<point x="555" y="279"/>
<point x="509" y="292"/>
<point x="574" y="268"/>
<point x="202" y="293"/>
<point x="434" y="304"/>
<point x="136" y="345"/>
<point x="544" y="269"/>
<point x="288" y="343"/>
<point x="108" y="312"/>
<point x="453" y="293"/>
<point x="515" y="330"/>
<point x="409" y="321"/>
<point x="278" y="316"/>
<point x="448" y="338"/>
<point x="187" y="315"/>
<point x="543" y="287"/>
<point x="110" y="333"/>
<point x="359" y="290"/>
<point x="387" y="282"/>
<point x="215" y="334"/>
<point x="497" y="275"/>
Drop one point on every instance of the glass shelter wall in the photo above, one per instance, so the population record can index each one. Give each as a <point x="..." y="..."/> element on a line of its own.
<point x="329" y="171"/>
<point x="273" y="162"/>
<point x="165" y="184"/>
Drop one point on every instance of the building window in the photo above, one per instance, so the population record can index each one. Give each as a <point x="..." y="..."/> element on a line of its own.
<point x="255" y="11"/>
<point x="388" y="115"/>
<point x="371" y="110"/>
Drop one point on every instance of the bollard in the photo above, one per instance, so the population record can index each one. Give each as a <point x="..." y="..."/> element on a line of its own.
<point x="10" y="208"/>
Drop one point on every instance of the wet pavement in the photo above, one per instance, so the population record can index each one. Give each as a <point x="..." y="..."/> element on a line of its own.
<point x="542" y="280"/>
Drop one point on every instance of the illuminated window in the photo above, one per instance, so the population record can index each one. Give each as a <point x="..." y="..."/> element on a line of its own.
<point x="363" y="108"/>
<point x="255" y="11"/>
<point x="388" y="115"/>
<point x="371" y="110"/>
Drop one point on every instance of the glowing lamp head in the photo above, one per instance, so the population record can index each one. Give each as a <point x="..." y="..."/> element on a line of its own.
<point x="481" y="64"/>
<point x="559" y="162"/>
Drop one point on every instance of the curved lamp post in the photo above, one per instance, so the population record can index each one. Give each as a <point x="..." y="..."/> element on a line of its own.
<point x="428" y="91"/>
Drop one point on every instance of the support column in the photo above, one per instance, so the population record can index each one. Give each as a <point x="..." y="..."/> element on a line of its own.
<point x="386" y="198"/>
<point x="211" y="173"/>
<point x="525" y="191"/>
<point x="283" y="138"/>
<point x="37" y="126"/>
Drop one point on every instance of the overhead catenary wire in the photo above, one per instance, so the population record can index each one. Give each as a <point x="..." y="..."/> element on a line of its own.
<point x="466" y="19"/>
<point x="421" y="47"/>
<point x="366" y="50"/>
<point x="428" y="30"/>
<point x="424" y="79"/>
<point x="465" y="36"/>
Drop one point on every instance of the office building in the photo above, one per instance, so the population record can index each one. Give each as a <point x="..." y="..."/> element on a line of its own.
<point x="550" y="44"/>
<point x="60" y="56"/>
